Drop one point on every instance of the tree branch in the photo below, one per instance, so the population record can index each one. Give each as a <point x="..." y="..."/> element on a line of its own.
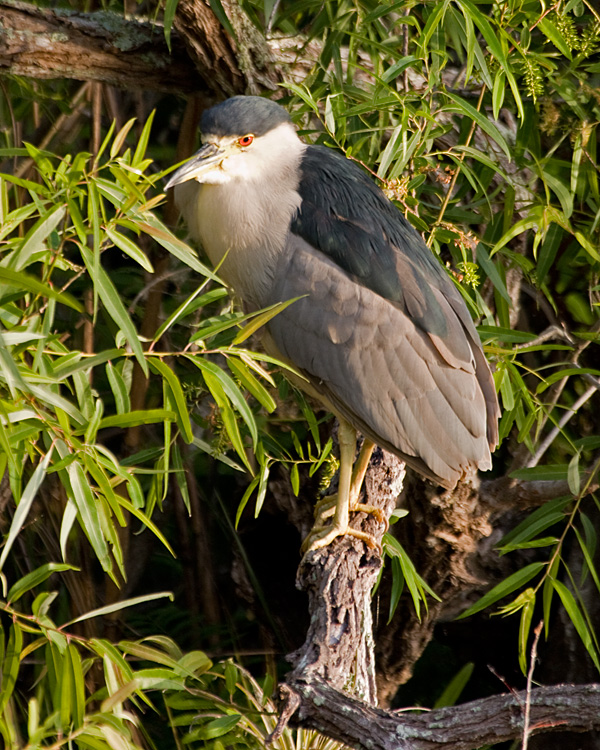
<point x="43" y="43"/>
<point x="129" y="53"/>
<point x="575" y="708"/>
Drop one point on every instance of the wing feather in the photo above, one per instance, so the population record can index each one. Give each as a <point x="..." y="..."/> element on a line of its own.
<point x="379" y="369"/>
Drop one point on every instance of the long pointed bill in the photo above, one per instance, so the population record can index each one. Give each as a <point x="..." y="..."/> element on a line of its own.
<point x="201" y="162"/>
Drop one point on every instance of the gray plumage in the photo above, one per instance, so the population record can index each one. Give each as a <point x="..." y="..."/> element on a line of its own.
<point x="380" y="331"/>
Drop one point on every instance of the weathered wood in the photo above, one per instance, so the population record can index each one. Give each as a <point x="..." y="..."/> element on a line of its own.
<point x="240" y="65"/>
<point x="339" y="579"/>
<point x="575" y="708"/>
<point x="43" y="43"/>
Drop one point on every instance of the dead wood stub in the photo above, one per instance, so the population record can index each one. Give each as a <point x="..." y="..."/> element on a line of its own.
<point x="339" y="579"/>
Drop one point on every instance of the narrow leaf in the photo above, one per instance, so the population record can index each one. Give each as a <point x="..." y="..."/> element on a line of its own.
<point x="504" y="588"/>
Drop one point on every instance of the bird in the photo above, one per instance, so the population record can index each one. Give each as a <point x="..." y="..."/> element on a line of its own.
<point x="378" y="332"/>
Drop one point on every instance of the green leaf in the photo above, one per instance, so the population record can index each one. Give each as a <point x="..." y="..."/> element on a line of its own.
<point x="573" y="477"/>
<point x="24" y="505"/>
<point x="548" y="251"/>
<point x="78" y="686"/>
<point x="168" y="16"/>
<point x="590" y="249"/>
<point x="462" y="107"/>
<point x="139" y="416"/>
<point x="247" y="379"/>
<point x="120" y="137"/>
<point x="541" y="519"/>
<point x="118" y="606"/>
<point x="129" y="248"/>
<point x="505" y="334"/>
<point x="219" y="11"/>
<point x="495" y="47"/>
<point x="262" y="488"/>
<point x="245" y="497"/>
<point x="589" y="560"/>
<point x="398" y="67"/>
<point x="498" y="93"/>
<point x="10" y="667"/>
<point x="577" y="618"/>
<point x="525" y="626"/>
<point x="260" y="319"/>
<point x="115" y="308"/>
<point x="416" y="585"/>
<point x="142" y="142"/>
<point x="553" y="34"/>
<point x="457" y="684"/>
<point x="172" y="381"/>
<point x="549" y="472"/>
<point x="152" y="226"/>
<point x="33" y="579"/>
<point x="37" y="235"/>
<point x="219" y="382"/>
<point x="180" y="472"/>
<point x="295" y="479"/>
<point x="504" y="588"/>
<point x="562" y="192"/>
<point x="190" y="304"/>
<point x="91" y="430"/>
<point x="118" y="388"/>
<point x="484" y="260"/>
<point x="25" y="282"/>
<point x="89" y="515"/>
<point x="216" y="728"/>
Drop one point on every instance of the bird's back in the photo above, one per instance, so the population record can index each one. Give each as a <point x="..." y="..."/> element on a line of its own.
<point x="383" y="334"/>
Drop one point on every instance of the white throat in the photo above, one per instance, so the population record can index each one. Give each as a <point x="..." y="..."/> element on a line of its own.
<point x="246" y="216"/>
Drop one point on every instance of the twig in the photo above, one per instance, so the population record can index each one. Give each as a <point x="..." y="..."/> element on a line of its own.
<point x="552" y="332"/>
<point x="527" y="717"/>
<point x="551" y="436"/>
<point x="291" y="701"/>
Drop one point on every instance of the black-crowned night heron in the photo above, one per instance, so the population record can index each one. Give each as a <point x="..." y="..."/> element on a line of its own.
<point x="379" y="331"/>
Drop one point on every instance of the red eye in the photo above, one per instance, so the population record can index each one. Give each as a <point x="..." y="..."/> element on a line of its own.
<point x="245" y="140"/>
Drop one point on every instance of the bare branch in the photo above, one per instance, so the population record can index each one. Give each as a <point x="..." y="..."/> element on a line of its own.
<point x="575" y="708"/>
<point x="555" y="431"/>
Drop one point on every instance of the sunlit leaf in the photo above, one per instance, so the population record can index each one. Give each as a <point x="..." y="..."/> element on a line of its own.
<point x="504" y="588"/>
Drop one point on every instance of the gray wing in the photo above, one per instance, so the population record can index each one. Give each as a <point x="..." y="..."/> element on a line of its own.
<point x="427" y="398"/>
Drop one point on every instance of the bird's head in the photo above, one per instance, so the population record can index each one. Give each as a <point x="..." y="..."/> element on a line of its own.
<point x="245" y="138"/>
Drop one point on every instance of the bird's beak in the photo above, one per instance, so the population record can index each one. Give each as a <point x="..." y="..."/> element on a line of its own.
<point x="202" y="162"/>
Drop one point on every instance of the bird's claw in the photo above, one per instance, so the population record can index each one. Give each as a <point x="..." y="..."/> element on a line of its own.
<point x="325" y="508"/>
<point x="321" y="536"/>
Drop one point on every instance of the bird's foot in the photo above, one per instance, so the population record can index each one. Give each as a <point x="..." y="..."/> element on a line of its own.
<point x="324" y="533"/>
<point x="321" y="536"/>
<point x="325" y="508"/>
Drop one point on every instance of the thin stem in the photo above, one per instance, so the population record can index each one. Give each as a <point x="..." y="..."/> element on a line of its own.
<point x="554" y="432"/>
<point x="527" y="717"/>
<point x="461" y="158"/>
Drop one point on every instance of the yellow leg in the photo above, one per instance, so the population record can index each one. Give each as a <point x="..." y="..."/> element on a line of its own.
<point x="349" y="486"/>
<point x="325" y="508"/>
